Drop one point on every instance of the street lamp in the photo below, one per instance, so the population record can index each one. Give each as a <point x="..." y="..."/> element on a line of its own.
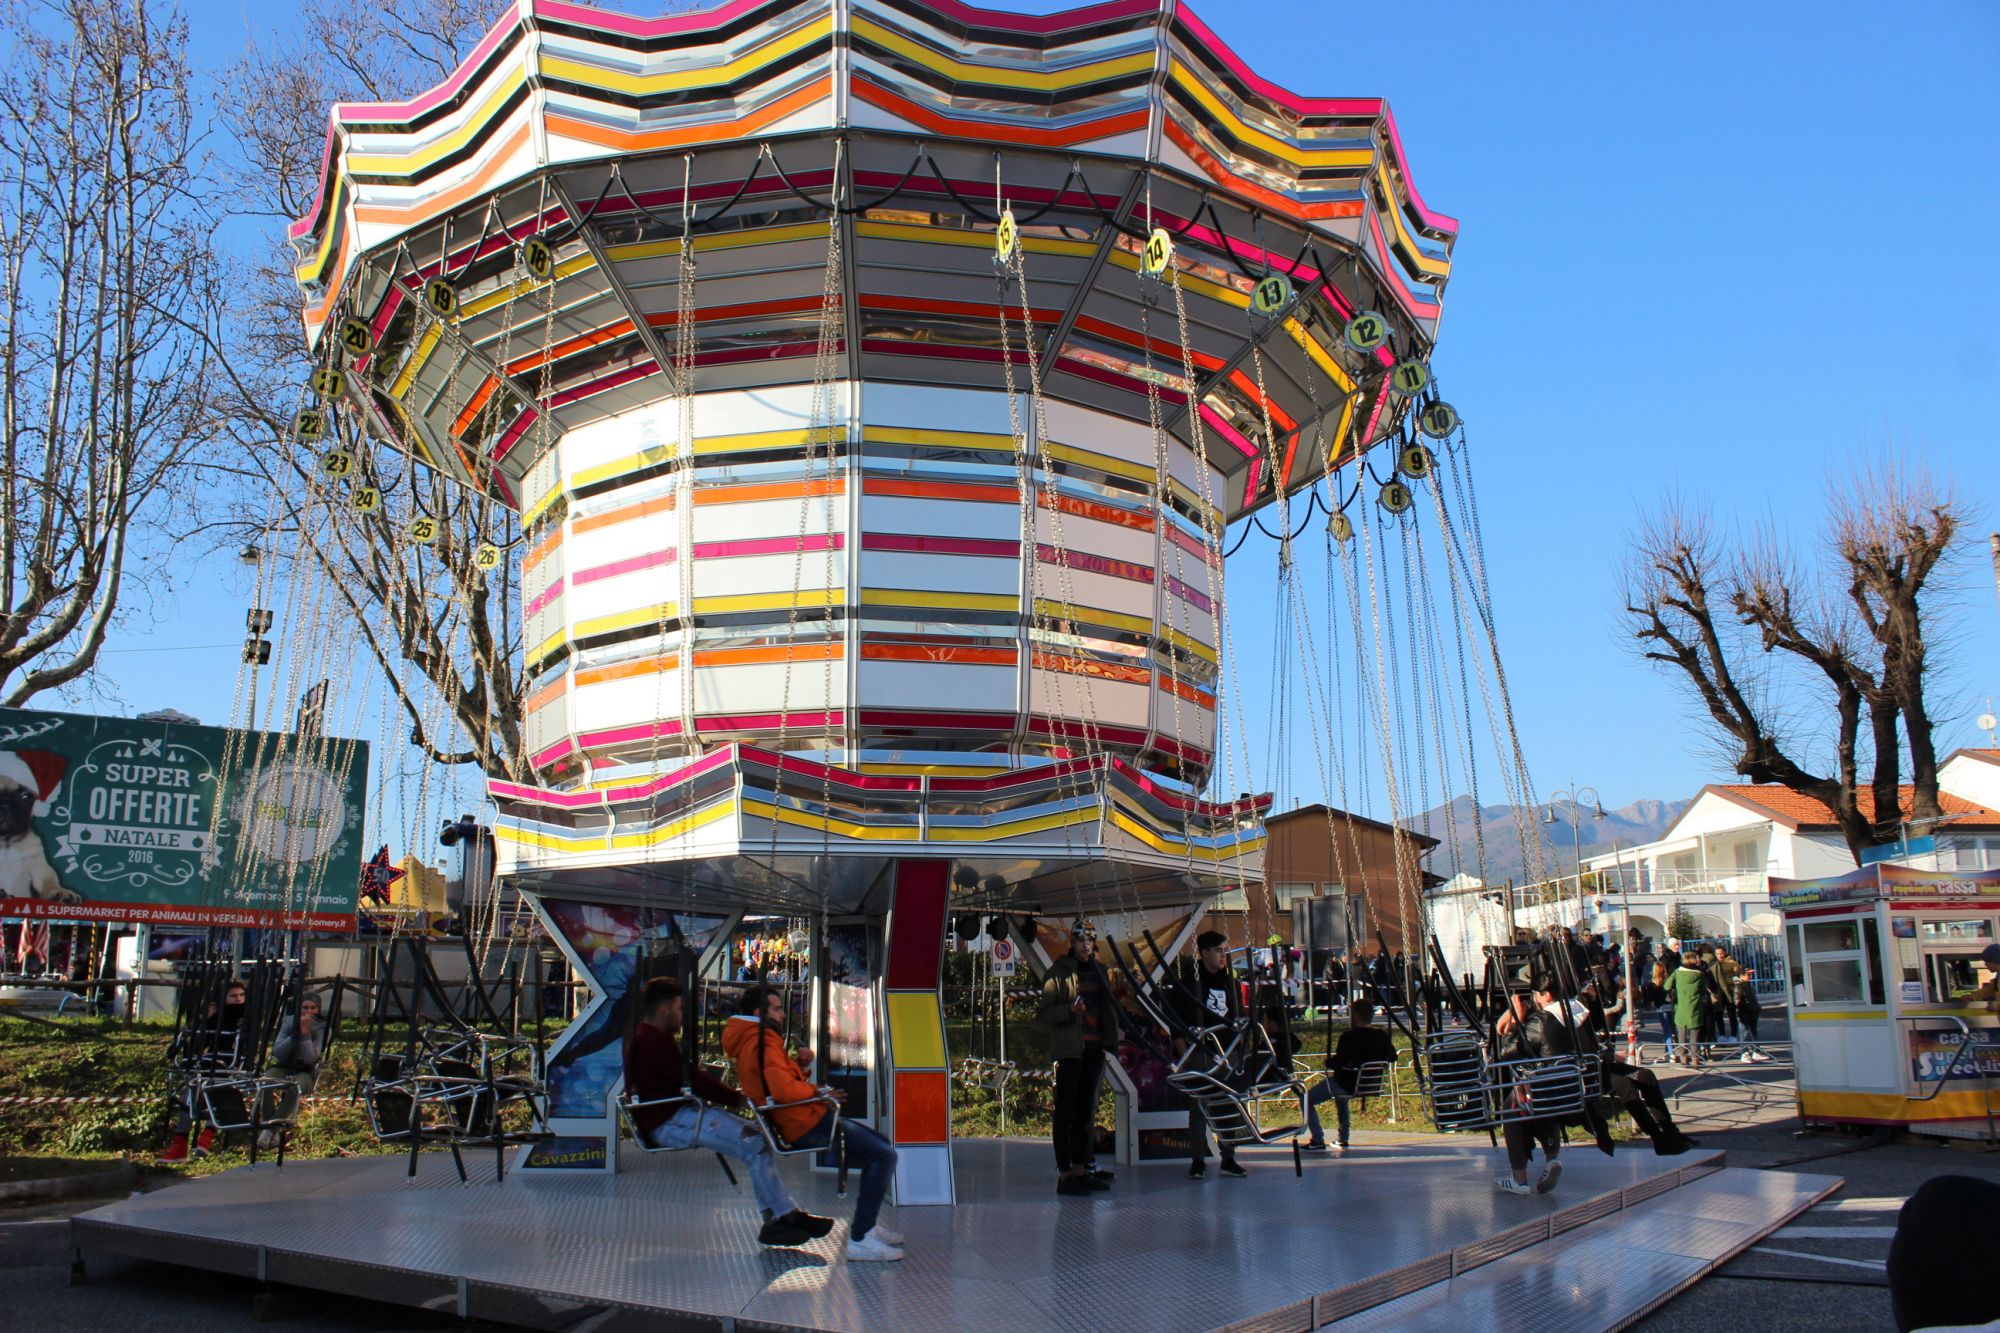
<point x="1575" y="795"/>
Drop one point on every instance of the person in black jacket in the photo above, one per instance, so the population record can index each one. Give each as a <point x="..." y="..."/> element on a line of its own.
<point x="1529" y="1031"/>
<point x="1219" y="1001"/>
<point x="1363" y="1043"/>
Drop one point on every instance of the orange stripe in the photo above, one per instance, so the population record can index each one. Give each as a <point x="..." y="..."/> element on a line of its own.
<point x="981" y="129"/>
<point x="1279" y="418"/>
<point x="798" y="652"/>
<point x="938" y="490"/>
<point x="921" y="305"/>
<point x="644" y="666"/>
<point x="624" y="513"/>
<point x="1131" y="338"/>
<point x="772" y="490"/>
<point x="479" y="397"/>
<point x="942" y="652"/>
<point x="1188" y="692"/>
<point x="1077" y="666"/>
<point x="1069" y="504"/>
<point x="547" y="695"/>
<point x="1280" y="203"/>
<point x="615" y="329"/>
<point x="542" y="549"/>
<point x="788" y="305"/>
<point x="816" y="91"/>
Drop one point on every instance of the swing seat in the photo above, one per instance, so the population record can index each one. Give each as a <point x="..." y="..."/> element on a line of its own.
<point x="1456" y="1093"/>
<point x="672" y="1106"/>
<point x="760" y="1112"/>
<point x="1232" y="1115"/>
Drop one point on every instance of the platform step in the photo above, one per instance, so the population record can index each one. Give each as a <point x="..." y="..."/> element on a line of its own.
<point x="1613" y="1272"/>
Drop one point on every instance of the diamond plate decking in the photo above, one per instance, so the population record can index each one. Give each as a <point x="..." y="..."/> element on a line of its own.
<point x="668" y="1244"/>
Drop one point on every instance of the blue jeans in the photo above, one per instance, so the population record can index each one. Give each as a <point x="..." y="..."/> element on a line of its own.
<point x="1666" y="1017"/>
<point x="867" y="1152"/>
<point x="1326" y="1090"/>
<point x="735" y="1137"/>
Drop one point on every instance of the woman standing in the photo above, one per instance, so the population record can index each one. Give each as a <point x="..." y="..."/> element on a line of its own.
<point x="1689" y="987"/>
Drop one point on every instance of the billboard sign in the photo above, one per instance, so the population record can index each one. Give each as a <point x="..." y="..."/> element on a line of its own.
<point x="114" y="819"/>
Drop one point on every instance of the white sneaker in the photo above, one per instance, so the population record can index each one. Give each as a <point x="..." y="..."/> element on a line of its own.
<point x="1509" y="1185"/>
<point x="880" y="1231"/>
<point x="871" y="1248"/>
<point x="1550" y="1176"/>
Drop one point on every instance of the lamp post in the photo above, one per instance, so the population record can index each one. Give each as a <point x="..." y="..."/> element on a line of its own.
<point x="1575" y="795"/>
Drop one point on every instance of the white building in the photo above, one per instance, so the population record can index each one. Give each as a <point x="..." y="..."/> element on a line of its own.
<point x="1718" y="858"/>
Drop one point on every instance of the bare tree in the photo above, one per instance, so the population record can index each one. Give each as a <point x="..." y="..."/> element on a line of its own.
<point x="435" y="609"/>
<point x="1732" y="619"/>
<point x="104" y="256"/>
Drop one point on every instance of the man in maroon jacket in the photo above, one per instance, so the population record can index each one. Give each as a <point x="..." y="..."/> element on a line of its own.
<point x="655" y="1070"/>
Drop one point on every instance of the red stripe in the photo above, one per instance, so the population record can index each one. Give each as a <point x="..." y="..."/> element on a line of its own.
<point x="902" y="541"/>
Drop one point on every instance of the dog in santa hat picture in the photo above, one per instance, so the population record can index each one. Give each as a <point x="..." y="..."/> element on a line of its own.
<point x="28" y="782"/>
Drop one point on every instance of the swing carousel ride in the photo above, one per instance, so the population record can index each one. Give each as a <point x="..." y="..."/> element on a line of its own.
<point x="861" y="393"/>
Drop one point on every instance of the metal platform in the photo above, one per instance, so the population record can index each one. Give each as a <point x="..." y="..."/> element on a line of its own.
<point x="1385" y="1233"/>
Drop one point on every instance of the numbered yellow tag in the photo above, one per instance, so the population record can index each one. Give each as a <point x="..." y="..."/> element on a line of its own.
<point x="1409" y="378"/>
<point x="1007" y="236"/>
<point x="1272" y="294"/>
<point x="1367" y="331"/>
<point x="422" y="530"/>
<point x="1395" y="497"/>
<point x="356" y="337"/>
<point x="441" y="297"/>
<point x="1415" y="461"/>
<point x="538" y="257"/>
<point x="1438" y="420"/>
<point x="365" y="500"/>
<point x="337" y="463"/>
<point x="327" y="381"/>
<point x="487" y="556"/>
<point x="1159" y="251"/>
<point x="1342" y="528"/>
<point x="309" y="424"/>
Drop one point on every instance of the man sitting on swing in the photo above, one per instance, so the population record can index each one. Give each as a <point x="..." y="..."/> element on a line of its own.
<point x="655" y="1070"/>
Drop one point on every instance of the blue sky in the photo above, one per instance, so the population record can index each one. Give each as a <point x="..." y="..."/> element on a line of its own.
<point x="1719" y="251"/>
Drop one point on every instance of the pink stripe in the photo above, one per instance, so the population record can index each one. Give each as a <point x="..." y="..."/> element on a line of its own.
<point x="1228" y="432"/>
<point x="547" y="595"/>
<point x="553" y="753"/>
<point x="1220" y="51"/>
<point x="499" y="240"/>
<point x="1436" y="220"/>
<point x="1213" y="809"/>
<point x="1021" y="776"/>
<point x="605" y="383"/>
<point x="1094" y="564"/>
<point x="1189" y="595"/>
<point x="819" y="541"/>
<point x="900" y="541"/>
<point x="608" y="21"/>
<point x="629" y="565"/>
<point x="1189" y="544"/>
<point x="572" y="800"/>
<point x="1381" y="401"/>
<point x="1060" y="21"/>
<point x="1250" y="482"/>
<point x="416" y="106"/>
<point x="515" y="432"/>
<point x="597" y="740"/>
<point x="897" y="718"/>
<point x="768" y="721"/>
<point x="1391" y="268"/>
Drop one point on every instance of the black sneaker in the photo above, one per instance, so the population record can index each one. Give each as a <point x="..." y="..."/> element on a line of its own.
<point x="1197" y="1170"/>
<point x="1310" y="1146"/>
<point x="1231" y="1167"/>
<point x="780" y="1232"/>
<point x="814" y="1227"/>
<point x="1096" y="1185"/>
<point x="1106" y="1176"/>
<point x="1074" y="1186"/>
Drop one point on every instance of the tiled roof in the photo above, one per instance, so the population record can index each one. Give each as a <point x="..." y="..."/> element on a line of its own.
<point x="1803" y="811"/>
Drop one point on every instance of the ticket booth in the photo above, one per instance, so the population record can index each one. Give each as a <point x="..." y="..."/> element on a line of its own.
<point x="1890" y="1025"/>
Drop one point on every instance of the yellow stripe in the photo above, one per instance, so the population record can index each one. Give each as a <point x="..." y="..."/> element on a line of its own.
<point x="770" y="601"/>
<point x="640" y="615"/>
<point x="1017" y="828"/>
<point x="1229" y="851"/>
<point x="547" y="646"/>
<point x="408" y="164"/>
<point x="1118" y="467"/>
<point x="1214" y="291"/>
<point x="1952" y="1105"/>
<point x="1310" y="346"/>
<point x="916" y="1034"/>
<point x="727" y="240"/>
<point x="676" y="80"/>
<point x="765" y="439"/>
<point x="911" y="231"/>
<point x="1280" y="148"/>
<point x="956" y="439"/>
<point x="311" y="270"/>
<point x="935" y="770"/>
<point x="502" y="295"/>
<point x="953" y="601"/>
<point x="1185" y="494"/>
<point x="539" y="507"/>
<point x="408" y="374"/>
<point x="1092" y="615"/>
<point x="996" y="76"/>
<point x="846" y="828"/>
<point x="1840" y="1015"/>
<point x="1435" y="268"/>
<point x="617" y="467"/>
<point x="590" y="842"/>
<point x="1195" y="646"/>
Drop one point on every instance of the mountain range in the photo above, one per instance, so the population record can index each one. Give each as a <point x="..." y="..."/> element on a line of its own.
<point x="1628" y="825"/>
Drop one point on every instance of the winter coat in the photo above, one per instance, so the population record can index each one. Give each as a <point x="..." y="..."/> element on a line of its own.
<point x="765" y="1070"/>
<point x="1688" y="988"/>
<point x="1059" y="991"/>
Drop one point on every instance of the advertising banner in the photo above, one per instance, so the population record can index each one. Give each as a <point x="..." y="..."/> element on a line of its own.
<point x="1854" y="886"/>
<point x="115" y="819"/>
<point x="1932" y="1049"/>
